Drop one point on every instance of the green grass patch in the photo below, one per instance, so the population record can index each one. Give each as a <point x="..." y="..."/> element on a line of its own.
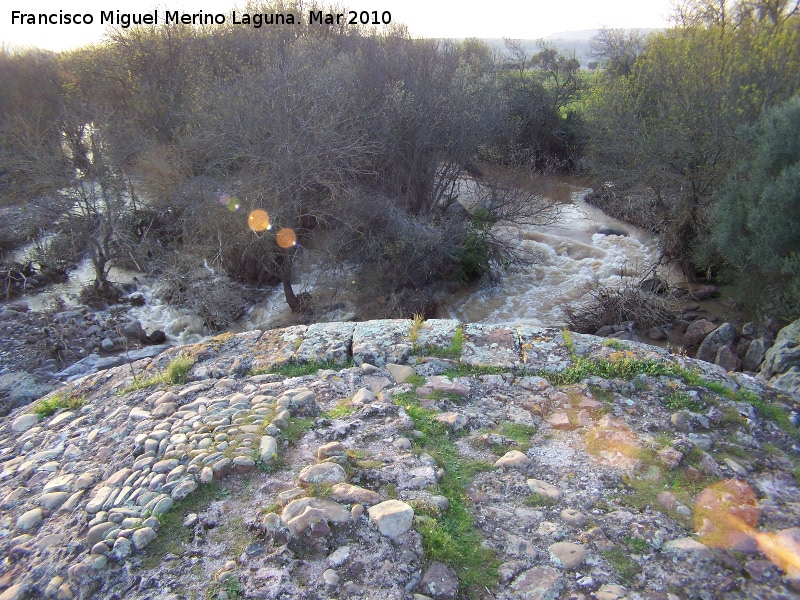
<point x="465" y="370"/>
<point x="172" y="535"/>
<point x="682" y="401"/>
<point x="615" y="344"/>
<point x="451" y="536"/>
<point x="624" y="367"/>
<point x="637" y="545"/>
<point x="625" y="567"/>
<point x="768" y="411"/>
<point x="519" y="432"/>
<point x="295" y="428"/>
<point x="627" y="367"/>
<point x="416" y="380"/>
<point x="320" y="490"/>
<point x="175" y="373"/>
<point x="643" y="492"/>
<point x="271" y="508"/>
<point x="47" y="406"/>
<point x="342" y="409"/>
<point x="537" y="500"/>
<point x="230" y="586"/>
<point x="292" y="369"/>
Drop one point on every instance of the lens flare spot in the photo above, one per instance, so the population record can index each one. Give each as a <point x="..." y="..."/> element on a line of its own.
<point x="725" y="516"/>
<point x="223" y="199"/>
<point x="613" y="444"/>
<point x="286" y="238"/>
<point x="233" y="204"/>
<point x="258" y="220"/>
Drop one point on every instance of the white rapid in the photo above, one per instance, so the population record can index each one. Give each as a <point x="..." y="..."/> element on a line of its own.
<point x="569" y="259"/>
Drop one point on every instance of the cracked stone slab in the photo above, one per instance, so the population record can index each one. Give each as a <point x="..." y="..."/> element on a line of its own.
<point x="543" y="349"/>
<point x="490" y="346"/>
<point x="276" y="347"/>
<point x="437" y="333"/>
<point x="382" y="342"/>
<point x="326" y="342"/>
<point x="227" y="356"/>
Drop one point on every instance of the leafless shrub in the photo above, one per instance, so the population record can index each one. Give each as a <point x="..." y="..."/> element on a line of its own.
<point x="56" y="254"/>
<point x="609" y="305"/>
<point x="217" y="300"/>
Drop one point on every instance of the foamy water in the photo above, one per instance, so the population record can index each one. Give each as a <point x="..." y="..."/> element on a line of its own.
<point x="568" y="260"/>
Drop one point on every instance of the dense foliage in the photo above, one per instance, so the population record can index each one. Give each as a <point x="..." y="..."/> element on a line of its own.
<point x="753" y="224"/>
<point x="666" y="134"/>
<point x="358" y="141"/>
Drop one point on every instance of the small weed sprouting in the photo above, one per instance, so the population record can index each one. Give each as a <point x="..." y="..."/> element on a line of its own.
<point x="47" y="406"/>
<point x="178" y="370"/>
<point x="416" y="325"/>
<point x="682" y="401"/>
<point x="637" y="545"/>
<point x="615" y="344"/>
<point x="565" y="334"/>
<point x="536" y="500"/>
<point x="626" y="568"/>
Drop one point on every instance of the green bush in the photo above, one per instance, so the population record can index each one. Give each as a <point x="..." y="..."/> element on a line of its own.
<point x="753" y="226"/>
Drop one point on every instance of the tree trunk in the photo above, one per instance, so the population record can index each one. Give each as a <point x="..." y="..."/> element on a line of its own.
<point x="286" y="280"/>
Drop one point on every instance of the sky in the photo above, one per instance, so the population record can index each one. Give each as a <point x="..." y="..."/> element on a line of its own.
<point x="523" y="19"/>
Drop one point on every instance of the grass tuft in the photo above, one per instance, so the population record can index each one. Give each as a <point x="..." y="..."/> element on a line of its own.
<point x="175" y="373"/>
<point x="451" y="351"/>
<point x="292" y="369"/>
<point x="342" y="409"/>
<point x="47" y="406"/>
<point x="295" y="429"/>
<point x="626" y="568"/>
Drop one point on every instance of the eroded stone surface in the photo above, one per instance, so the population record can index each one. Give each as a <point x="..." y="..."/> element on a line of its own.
<point x="107" y="473"/>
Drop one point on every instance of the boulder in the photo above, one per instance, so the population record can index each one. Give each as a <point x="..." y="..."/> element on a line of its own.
<point x="724" y="335"/>
<point x="785" y="354"/>
<point x="755" y="354"/>
<point x="440" y="582"/>
<point x="697" y="331"/>
<point x="727" y="359"/>
<point x="18" y="389"/>
<point x="392" y="517"/>
<point x="133" y="330"/>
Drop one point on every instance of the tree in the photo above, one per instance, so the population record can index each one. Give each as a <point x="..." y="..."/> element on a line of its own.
<point x="30" y="118"/>
<point x="666" y="135"/>
<point x="750" y="230"/>
<point x="616" y="50"/>
<point x="517" y="54"/>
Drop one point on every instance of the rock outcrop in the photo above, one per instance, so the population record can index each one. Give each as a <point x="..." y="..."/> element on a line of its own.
<point x="782" y="362"/>
<point x="502" y="462"/>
